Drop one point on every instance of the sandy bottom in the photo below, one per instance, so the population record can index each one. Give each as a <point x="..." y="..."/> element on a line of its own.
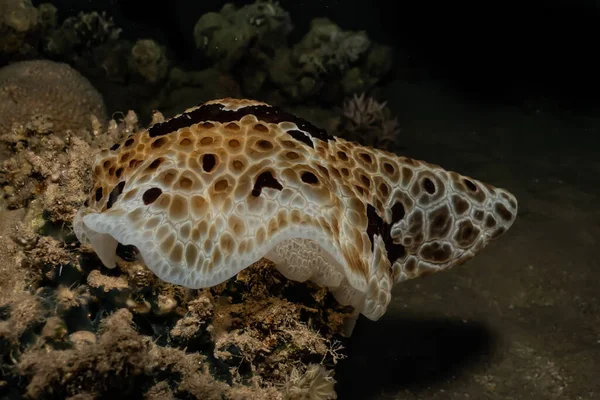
<point x="522" y="319"/>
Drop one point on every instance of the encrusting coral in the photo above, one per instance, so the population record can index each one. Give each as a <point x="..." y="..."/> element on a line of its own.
<point x="207" y="193"/>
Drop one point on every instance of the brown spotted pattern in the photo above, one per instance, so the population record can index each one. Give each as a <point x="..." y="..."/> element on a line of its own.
<point x="207" y="193"/>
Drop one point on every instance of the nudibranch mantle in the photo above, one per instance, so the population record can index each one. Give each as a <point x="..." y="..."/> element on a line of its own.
<point x="205" y="194"/>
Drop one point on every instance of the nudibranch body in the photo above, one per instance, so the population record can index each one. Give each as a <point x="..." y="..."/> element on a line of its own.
<point x="207" y="193"/>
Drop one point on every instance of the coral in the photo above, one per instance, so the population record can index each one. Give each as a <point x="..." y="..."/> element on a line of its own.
<point x="364" y="76"/>
<point x="227" y="36"/>
<point x="267" y="332"/>
<point x="119" y="355"/>
<point x="126" y="72"/>
<point x="26" y="175"/>
<point x="112" y="62"/>
<point x="22" y="317"/>
<point x="47" y="16"/>
<point x="326" y="49"/>
<point x="79" y="321"/>
<point x="290" y="78"/>
<point x="149" y="60"/>
<point x="51" y="167"/>
<point x="14" y="276"/>
<point x="199" y="312"/>
<point x="21" y="26"/>
<point x="53" y="92"/>
<point x="316" y="383"/>
<point x="207" y="193"/>
<point x="327" y="63"/>
<point x="19" y="15"/>
<point x="90" y="43"/>
<point x="57" y="337"/>
<point x="79" y="34"/>
<point x="51" y="258"/>
<point x="369" y="122"/>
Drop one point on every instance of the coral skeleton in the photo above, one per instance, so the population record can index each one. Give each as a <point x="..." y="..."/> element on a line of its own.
<point x="205" y="194"/>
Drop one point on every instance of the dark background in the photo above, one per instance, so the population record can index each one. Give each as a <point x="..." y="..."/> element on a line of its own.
<point x="502" y="52"/>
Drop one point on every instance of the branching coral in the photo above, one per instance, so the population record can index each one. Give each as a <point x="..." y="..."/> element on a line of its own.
<point x="274" y="332"/>
<point x="90" y="42"/>
<point x="369" y="122"/>
<point x="26" y="175"/>
<point x="329" y="62"/>
<point x="116" y="355"/>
